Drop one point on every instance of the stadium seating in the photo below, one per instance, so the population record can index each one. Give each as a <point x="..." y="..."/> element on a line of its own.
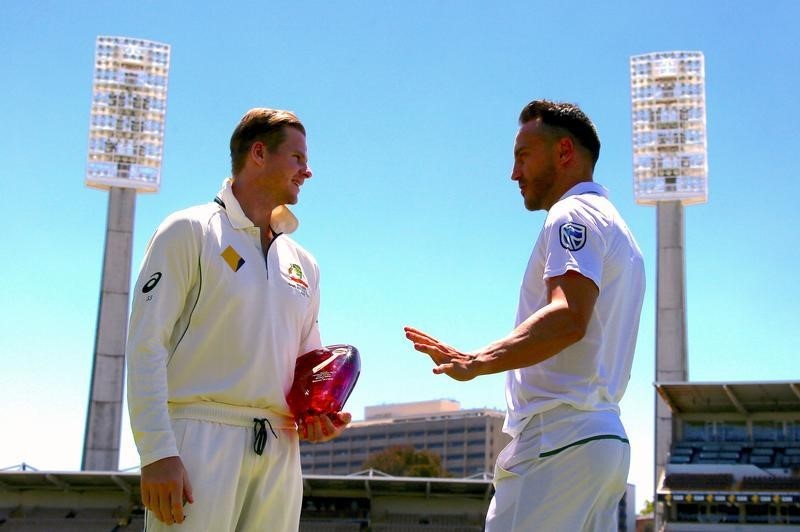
<point x="770" y="483"/>
<point x="698" y="481"/>
<point x="764" y="454"/>
<point x="393" y="522"/>
<point x="328" y="526"/>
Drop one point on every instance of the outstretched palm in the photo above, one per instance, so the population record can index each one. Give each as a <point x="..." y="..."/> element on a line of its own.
<point x="448" y="360"/>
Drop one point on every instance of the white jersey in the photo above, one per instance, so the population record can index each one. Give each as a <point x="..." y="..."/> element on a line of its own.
<point x="584" y="233"/>
<point x="216" y="320"/>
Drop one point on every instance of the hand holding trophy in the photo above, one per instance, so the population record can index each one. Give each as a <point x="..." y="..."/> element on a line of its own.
<point x="323" y="380"/>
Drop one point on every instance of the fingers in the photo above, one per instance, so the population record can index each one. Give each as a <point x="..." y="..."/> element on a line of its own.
<point x="165" y="486"/>
<point x="165" y="504"/>
<point x="426" y="344"/>
<point x="145" y="493"/>
<point x="419" y="337"/>
<point x="170" y="504"/>
<point x="343" y="419"/>
<point x="443" y="369"/>
<point x="323" y="427"/>
<point x="187" y="489"/>
<point x="302" y="428"/>
<point x="309" y="428"/>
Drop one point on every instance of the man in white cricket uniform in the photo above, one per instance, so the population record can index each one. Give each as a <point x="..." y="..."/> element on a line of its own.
<point x="569" y="358"/>
<point x="224" y="304"/>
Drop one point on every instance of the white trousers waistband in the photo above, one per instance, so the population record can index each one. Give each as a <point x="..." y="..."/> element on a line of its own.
<point x="239" y="416"/>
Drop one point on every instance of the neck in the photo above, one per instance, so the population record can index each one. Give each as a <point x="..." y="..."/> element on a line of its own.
<point x="566" y="183"/>
<point x="257" y="207"/>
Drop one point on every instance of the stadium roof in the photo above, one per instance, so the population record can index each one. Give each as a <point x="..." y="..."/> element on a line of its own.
<point x="732" y="397"/>
<point x="55" y="486"/>
<point x="367" y="484"/>
<point x="64" y="481"/>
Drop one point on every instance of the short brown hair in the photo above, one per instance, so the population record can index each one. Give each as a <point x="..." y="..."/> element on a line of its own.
<point x="264" y="125"/>
<point x="566" y="116"/>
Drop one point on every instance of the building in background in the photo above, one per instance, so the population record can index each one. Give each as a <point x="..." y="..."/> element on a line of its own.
<point x="670" y="169"/>
<point x="126" y="134"/>
<point x="468" y="441"/>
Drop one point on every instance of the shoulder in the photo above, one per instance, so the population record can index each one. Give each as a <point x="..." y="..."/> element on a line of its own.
<point x="587" y="209"/>
<point x="185" y="226"/>
<point x="190" y="218"/>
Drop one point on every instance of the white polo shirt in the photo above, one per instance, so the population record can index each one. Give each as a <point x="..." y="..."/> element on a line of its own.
<point x="216" y="319"/>
<point x="583" y="232"/>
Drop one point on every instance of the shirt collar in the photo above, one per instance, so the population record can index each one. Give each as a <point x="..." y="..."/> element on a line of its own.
<point x="586" y="187"/>
<point x="282" y="219"/>
<point x="236" y="215"/>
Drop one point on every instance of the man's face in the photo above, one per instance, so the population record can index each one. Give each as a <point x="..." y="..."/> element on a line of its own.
<point x="535" y="166"/>
<point x="286" y="169"/>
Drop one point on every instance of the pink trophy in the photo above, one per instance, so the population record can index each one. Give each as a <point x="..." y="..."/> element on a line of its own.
<point x="323" y="380"/>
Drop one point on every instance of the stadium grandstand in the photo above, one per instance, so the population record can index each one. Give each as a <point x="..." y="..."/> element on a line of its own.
<point x="32" y="501"/>
<point x="338" y="494"/>
<point x="734" y="461"/>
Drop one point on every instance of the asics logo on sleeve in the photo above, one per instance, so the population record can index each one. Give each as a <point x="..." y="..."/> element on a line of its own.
<point x="573" y="236"/>
<point x="151" y="283"/>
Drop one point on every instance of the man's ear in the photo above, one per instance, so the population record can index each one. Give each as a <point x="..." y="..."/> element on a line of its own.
<point x="566" y="150"/>
<point x="258" y="151"/>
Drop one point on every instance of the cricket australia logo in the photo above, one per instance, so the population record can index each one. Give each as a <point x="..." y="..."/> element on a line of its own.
<point x="297" y="279"/>
<point x="573" y="236"/>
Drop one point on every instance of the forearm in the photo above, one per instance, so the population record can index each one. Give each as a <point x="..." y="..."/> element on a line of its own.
<point x="543" y="335"/>
<point x="147" y="404"/>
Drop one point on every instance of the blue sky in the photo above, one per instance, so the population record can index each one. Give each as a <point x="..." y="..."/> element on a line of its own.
<point x="411" y="114"/>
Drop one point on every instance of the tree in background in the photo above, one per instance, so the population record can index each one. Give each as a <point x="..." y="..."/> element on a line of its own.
<point x="648" y="508"/>
<point x="405" y="461"/>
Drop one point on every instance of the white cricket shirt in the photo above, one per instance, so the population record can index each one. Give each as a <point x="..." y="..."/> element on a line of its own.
<point x="583" y="232"/>
<point x="216" y="319"/>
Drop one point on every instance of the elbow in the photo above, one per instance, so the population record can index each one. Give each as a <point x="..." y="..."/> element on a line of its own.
<point x="576" y="328"/>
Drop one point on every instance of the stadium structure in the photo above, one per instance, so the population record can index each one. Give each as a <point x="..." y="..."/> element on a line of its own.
<point x="734" y="460"/>
<point x="338" y="494"/>
<point x="94" y="501"/>
<point x="670" y="169"/>
<point x="126" y="139"/>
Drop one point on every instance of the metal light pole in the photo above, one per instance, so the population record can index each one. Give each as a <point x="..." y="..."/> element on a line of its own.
<point x="670" y="170"/>
<point x="129" y="104"/>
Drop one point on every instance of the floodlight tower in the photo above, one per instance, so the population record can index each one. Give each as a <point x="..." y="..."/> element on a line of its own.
<point x="670" y="170"/>
<point x="129" y="105"/>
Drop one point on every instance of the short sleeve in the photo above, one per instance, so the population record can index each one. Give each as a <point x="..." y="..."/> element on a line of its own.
<point x="573" y="242"/>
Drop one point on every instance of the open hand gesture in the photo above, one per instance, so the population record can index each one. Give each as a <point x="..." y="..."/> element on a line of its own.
<point x="453" y="363"/>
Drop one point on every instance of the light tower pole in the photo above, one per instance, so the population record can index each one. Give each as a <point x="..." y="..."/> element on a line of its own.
<point x="670" y="170"/>
<point x="129" y="104"/>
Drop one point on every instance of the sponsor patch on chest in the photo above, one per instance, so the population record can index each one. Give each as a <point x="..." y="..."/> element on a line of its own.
<point x="232" y="258"/>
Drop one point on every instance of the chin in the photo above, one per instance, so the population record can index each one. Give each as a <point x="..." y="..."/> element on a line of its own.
<point x="532" y="205"/>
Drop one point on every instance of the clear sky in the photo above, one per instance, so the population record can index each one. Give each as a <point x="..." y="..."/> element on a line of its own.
<point x="411" y="114"/>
